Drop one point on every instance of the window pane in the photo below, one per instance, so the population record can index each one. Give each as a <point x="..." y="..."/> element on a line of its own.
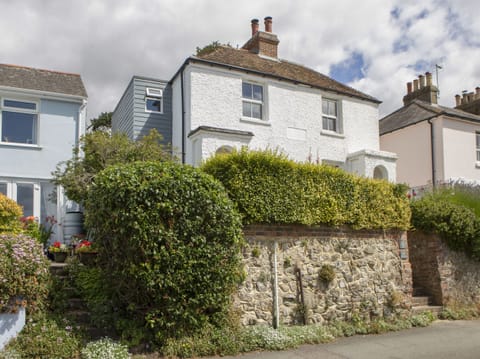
<point x="257" y="93"/>
<point x="25" y="198"/>
<point x="325" y="106"/>
<point x="478" y="140"/>
<point x="3" y="188"/>
<point x="20" y="104"/>
<point x="478" y="156"/>
<point x="332" y="124"/>
<point x="246" y="90"/>
<point x="247" y="109"/>
<point x="256" y="110"/>
<point x="332" y="108"/>
<point x="18" y="127"/>
<point x="154" y="105"/>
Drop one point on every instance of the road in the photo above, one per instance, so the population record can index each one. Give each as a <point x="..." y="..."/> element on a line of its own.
<point x="441" y="340"/>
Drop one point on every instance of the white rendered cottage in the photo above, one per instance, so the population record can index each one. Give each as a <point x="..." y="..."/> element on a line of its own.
<point x="229" y="98"/>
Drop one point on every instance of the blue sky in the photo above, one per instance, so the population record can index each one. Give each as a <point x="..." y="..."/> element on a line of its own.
<point x="375" y="46"/>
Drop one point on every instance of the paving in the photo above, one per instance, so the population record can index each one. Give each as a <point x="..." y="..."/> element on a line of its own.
<point x="441" y="340"/>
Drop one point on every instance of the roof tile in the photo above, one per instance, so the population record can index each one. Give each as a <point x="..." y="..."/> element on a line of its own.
<point x="41" y="80"/>
<point x="286" y="70"/>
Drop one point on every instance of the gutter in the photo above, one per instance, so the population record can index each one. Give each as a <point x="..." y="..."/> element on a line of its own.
<point x="432" y="149"/>
<point x="81" y="113"/>
<point x="183" y="113"/>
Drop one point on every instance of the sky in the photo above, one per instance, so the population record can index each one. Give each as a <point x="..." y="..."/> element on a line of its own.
<point x="375" y="46"/>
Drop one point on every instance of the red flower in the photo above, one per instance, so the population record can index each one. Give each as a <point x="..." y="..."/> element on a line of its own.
<point x="57" y="244"/>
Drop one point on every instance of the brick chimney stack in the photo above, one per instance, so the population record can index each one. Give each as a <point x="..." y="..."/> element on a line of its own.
<point x="470" y="102"/>
<point x="263" y="43"/>
<point x="254" y="26"/>
<point x="423" y="90"/>
<point x="268" y="24"/>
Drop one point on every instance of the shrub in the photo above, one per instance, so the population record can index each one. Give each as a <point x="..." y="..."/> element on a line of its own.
<point x="10" y="213"/>
<point x="99" y="150"/>
<point x="105" y="348"/>
<point x="269" y="188"/>
<point x="44" y="338"/>
<point x="326" y="273"/>
<point x="24" y="272"/>
<point x="455" y="223"/>
<point x="169" y="244"/>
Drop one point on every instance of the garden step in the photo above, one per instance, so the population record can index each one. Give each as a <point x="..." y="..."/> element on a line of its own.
<point x="419" y="291"/>
<point x="420" y="301"/>
<point x="79" y="316"/>
<point x="434" y="309"/>
<point x="76" y="303"/>
<point x="58" y="269"/>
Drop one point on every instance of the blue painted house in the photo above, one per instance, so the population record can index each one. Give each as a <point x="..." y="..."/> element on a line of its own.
<point x="42" y="116"/>
<point x="146" y="104"/>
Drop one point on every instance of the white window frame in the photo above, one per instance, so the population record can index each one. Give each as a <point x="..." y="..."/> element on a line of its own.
<point x="337" y="117"/>
<point x="154" y="94"/>
<point x="253" y="101"/>
<point x="12" y="192"/>
<point x="35" y="112"/>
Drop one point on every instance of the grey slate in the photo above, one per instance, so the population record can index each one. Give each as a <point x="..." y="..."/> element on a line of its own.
<point x="418" y="111"/>
<point x="41" y="80"/>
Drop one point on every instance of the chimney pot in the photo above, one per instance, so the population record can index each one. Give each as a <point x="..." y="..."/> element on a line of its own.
<point x="268" y="24"/>
<point x="458" y="100"/>
<point x="421" y="78"/>
<point x="415" y="85"/>
<point x="428" y="75"/>
<point x="464" y="97"/>
<point x="254" y="26"/>
<point x="409" y="87"/>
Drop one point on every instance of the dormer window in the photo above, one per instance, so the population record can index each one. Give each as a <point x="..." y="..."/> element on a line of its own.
<point x="153" y="100"/>
<point x="18" y="121"/>
<point x="252" y="100"/>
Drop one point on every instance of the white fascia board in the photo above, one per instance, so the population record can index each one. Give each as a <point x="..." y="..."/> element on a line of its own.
<point x="43" y="94"/>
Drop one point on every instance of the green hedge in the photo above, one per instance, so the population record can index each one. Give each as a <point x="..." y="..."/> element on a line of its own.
<point x="455" y="223"/>
<point x="169" y="241"/>
<point x="269" y="188"/>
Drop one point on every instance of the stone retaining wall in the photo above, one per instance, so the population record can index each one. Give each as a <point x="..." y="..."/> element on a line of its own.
<point x="450" y="277"/>
<point x="372" y="274"/>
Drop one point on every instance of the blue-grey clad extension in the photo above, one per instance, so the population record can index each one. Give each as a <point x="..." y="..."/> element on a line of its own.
<point x="146" y="104"/>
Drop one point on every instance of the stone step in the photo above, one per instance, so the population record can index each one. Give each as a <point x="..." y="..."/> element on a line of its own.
<point x="76" y="303"/>
<point x="58" y="269"/>
<point x="419" y="291"/>
<point x="79" y="316"/>
<point x="420" y="301"/>
<point x="434" y="309"/>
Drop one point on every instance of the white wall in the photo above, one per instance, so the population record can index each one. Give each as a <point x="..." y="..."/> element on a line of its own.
<point x="294" y="115"/>
<point x="412" y="146"/>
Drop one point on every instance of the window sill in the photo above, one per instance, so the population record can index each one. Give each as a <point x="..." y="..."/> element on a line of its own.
<point x="255" y="121"/>
<point x="332" y="134"/>
<point x="20" y="145"/>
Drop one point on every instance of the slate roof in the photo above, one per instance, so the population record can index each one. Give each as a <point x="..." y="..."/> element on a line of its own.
<point x="41" y="80"/>
<point x="241" y="59"/>
<point x="418" y="111"/>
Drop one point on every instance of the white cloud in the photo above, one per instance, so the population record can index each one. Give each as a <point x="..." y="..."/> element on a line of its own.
<point x="109" y="41"/>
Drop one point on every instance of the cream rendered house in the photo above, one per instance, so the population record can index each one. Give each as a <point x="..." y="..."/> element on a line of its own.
<point x="434" y="144"/>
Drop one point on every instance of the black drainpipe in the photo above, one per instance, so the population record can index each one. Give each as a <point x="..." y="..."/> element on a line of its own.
<point x="183" y="117"/>
<point x="432" y="138"/>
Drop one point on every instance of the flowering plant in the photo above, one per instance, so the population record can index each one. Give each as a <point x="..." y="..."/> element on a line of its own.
<point x="85" y="246"/>
<point x="58" y="247"/>
<point x="42" y="232"/>
<point x="24" y="273"/>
